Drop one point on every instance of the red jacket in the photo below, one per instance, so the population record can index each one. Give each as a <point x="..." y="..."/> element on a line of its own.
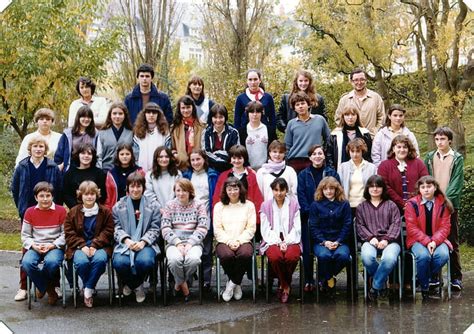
<point x="416" y="223"/>
<point x="111" y="188"/>
<point x="388" y="170"/>
<point x="253" y="192"/>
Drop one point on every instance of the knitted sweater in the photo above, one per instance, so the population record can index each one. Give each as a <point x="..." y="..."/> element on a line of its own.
<point x="184" y="223"/>
<point x="43" y="226"/>
<point x="160" y="189"/>
<point x="382" y="222"/>
<point x="234" y="222"/>
<point x="300" y="136"/>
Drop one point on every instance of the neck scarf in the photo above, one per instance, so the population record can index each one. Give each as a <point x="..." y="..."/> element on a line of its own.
<point x="272" y="167"/>
<point x="90" y="212"/>
<point x="189" y="133"/>
<point x="254" y="96"/>
<point x="135" y="229"/>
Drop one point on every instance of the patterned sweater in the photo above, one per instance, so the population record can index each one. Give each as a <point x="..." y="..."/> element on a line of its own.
<point x="184" y="223"/>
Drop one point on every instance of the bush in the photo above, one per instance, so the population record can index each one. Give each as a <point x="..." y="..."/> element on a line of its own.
<point x="466" y="212"/>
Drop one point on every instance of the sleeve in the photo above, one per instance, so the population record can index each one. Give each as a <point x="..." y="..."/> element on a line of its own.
<point x="167" y="226"/>
<point x="101" y="184"/>
<point x="380" y="113"/>
<point x="62" y="146"/>
<point x="292" y="179"/>
<point x="136" y="149"/>
<point x="294" y="237"/>
<point x="376" y="152"/>
<point x="27" y="231"/>
<point x="149" y="188"/>
<point x="99" y="150"/>
<point x="414" y="231"/>
<point x="218" y="188"/>
<point x="119" y="232"/>
<point x="202" y="225"/>
<point x="384" y="172"/>
<point x="395" y="224"/>
<point x="69" y="190"/>
<point x="347" y="223"/>
<point x="453" y="192"/>
<point x="321" y="109"/>
<point x="60" y="241"/>
<point x="251" y="226"/>
<point x="168" y="111"/>
<point x="268" y="235"/>
<point x="314" y="225"/>
<point x="218" y="224"/>
<point x="15" y="186"/>
<point x="153" y="233"/>
<point x="238" y="114"/>
<point x="111" y="190"/>
<point x="270" y="112"/>
<point x="22" y="152"/>
<point x="444" y="227"/>
<point x="105" y="236"/>
<point x="282" y="116"/>
<point x="304" y="205"/>
<point x="74" y="239"/>
<point x="58" y="186"/>
<point x="72" y="114"/>
<point x="337" y="114"/>
<point x="326" y="134"/>
<point x="288" y="137"/>
<point x="362" y="227"/>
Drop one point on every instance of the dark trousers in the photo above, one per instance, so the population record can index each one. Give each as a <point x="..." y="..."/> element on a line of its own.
<point x="455" y="257"/>
<point x="235" y="263"/>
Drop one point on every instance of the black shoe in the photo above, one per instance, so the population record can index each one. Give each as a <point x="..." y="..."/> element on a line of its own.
<point x="207" y="287"/>
<point x="383" y="293"/>
<point x="456" y="285"/>
<point x="425" y="294"/>
<point x="373" y="294"/>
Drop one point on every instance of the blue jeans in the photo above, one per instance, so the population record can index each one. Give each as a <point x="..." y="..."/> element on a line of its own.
<point x="379" y="271"/>
<point x="41" y="277"/>
<point x="427" y="264"/>
<point x="144" y="263"/>
<point x="331" y="262"/>
<point x="90" y="269"/>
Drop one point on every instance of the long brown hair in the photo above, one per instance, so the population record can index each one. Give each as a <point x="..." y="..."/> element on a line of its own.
<point x="311" y="91"/>
<point x="329" y="182"/>
<point x="156" y="169"/>
<point x="126" y="122"/>
<point x="141" y="125"/>
<point x="428" y="179"/>
<point x="402" y="139"/>
<point x="84" y="111"/>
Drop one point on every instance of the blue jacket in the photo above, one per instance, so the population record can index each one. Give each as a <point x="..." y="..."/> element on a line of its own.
<point x="64" y="150"/>
<point x="268" y="118"/>
<point x="330" y="221"/>
<point x="307" y="186"/>
<point x="134" y="104"/>
<point x="22" y="190"/>
<point x="219" y="160"/>
<point x="212" y="176"/>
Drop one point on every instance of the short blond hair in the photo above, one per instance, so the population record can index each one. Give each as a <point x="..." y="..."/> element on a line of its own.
<point x="87" y="187"/>
<point x="37" y="140"/>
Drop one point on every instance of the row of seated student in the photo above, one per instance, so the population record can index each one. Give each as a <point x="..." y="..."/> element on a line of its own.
<point x="164" y="155"/>
<point x="90" y="233"/>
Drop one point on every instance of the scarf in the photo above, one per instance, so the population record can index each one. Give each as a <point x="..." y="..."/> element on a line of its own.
<point x="189" y="134"/>
<point x="92" y="211"/>
<point x="254" y="97"/>
<point x="135" y="230"/>
<point x="273" y="167"/>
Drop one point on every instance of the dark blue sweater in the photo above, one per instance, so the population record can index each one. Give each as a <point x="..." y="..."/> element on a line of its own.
<point x="268" y="118"/>
<point x="134" y="103"/>
<point x="330" y="221"/>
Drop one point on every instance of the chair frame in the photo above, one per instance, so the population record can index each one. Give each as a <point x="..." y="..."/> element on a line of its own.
<point x="268" y="285"/>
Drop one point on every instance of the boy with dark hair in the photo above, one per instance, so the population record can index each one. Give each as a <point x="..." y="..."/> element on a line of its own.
<point x="145" y="91"/>
<point x="42" y="235"/>
<point x="447" y="166"/>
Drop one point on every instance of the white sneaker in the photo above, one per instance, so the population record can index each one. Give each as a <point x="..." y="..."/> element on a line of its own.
<point x="238" y="292"/>
<point x="140" y="294"/>
<point x="126" y="290"/>
<point x="20" y="295"/>
<point x="229" y="291"/>
<point x="59" y="292"/>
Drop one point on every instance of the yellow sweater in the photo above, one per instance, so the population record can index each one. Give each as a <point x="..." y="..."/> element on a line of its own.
<point x="234" y="222"/>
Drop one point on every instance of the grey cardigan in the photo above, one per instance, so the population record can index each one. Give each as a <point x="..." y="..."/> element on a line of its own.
<point x="107" y="146"/>
<point x="151" y="224"/>
<point x="346" y="169"/>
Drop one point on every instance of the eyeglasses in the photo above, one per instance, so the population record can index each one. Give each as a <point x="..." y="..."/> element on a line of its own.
<point x="359" y="80"/>
<point x="232" y="187"/>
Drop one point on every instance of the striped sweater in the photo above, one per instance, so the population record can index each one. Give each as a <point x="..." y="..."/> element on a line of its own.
<point x="184" y="223"/>
<point x="43" y="226"/>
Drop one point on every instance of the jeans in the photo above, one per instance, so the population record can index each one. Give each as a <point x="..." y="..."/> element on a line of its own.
<point x="427" y="264"/>
<point x="331" y="262"/>
<point x="144" y="264"/>
<point x="90" y="269"/>
<point x="183" y="267"/>
<point x="379" y="271"/>
<point x="41" y="277"/>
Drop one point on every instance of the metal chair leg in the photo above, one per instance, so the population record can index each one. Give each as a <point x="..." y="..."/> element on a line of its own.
<point x="110" y="281"/>
<point x="301" y="280"/>
<point x="201" y="281"/>
<point x="74" y="284"/>
<point x="254" y="278"/>
<point x="63" y="281"/>
<point x="268" y="288"/>
<point x="317" y="278"/>
<point x="28" y="292"/>
<point x="218" y="278"/>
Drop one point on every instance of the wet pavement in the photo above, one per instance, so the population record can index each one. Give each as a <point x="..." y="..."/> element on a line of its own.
<point x="331" y="315"/>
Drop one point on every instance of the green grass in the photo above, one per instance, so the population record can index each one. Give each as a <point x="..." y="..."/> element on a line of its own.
<point x="10" y="241"/>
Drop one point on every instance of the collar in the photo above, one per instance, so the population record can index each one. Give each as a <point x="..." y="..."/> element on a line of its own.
<point x="87" y="103"/>
<point x="401" y="165"/>
<point x="396" y="132"/>
<point x="368" y="94"/>
<point x="249" y="127"/>
<point x="218" y="132"/>
<point x="52" y="207"/>
<point x="424" y="201"/>
<point x="362" y="164"/>
<point x="440" y="155"/>
<point x="239" y="174"/>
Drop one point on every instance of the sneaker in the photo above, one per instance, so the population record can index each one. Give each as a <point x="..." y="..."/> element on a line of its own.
<point x="126" y="291"/>
<point x="332" y="282"/>
<point x="89" y="302"/>
<point x="434" y="283"/>
<point x="238" y="292"/>
<point x="21" y="295"/>
<point x="229" y="291"/>
<point x="456" y="285"/>
<point x="59" y="292"/>
<point x="140" y="294"/>
<point x="373" y="294"/>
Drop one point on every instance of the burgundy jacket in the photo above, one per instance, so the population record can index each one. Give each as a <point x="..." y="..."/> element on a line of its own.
<point x="416" y="222"/>
<point x="74" y="230"/>
<point x="388" y="170"/>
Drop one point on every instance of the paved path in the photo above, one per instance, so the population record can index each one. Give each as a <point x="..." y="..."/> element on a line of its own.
<point x="330" y="316"/>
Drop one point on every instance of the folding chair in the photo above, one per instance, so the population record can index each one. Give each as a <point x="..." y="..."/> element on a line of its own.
<point x="268" y="287"/>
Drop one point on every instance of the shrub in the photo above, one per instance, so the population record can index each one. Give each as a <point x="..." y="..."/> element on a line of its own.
<point x="466" y="212"/>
